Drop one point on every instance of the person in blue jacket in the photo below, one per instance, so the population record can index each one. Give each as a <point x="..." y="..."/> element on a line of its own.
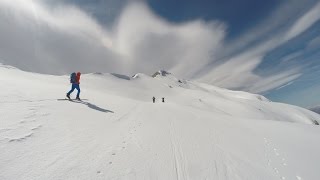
<point x="75" y="81"/>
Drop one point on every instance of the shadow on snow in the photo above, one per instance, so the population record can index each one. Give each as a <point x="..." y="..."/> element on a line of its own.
<point x="90" y="105"/>
<point x="95" y="107"/>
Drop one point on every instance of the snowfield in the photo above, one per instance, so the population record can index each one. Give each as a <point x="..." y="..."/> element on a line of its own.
<point x="116" y="132"/>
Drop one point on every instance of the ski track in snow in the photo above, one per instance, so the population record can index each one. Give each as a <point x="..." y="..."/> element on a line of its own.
<point x="179" y="159"/>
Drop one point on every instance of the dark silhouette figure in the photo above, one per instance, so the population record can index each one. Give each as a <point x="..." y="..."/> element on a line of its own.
<point x="154" y="99"/>
<point x="163" y="99"/>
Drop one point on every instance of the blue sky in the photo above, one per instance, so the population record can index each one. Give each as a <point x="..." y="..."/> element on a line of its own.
<point x="239" y="15"/>
<point x="267" y="47"/>
<point x="243" y="16"/>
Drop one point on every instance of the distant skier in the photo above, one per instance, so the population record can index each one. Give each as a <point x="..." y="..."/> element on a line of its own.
<point x="163" y="99"/>
<point x="154" y="99"/>
<point x="75" y="81"/>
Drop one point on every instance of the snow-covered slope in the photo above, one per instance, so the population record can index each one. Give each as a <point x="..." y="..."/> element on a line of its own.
<point x="200" y="132"/>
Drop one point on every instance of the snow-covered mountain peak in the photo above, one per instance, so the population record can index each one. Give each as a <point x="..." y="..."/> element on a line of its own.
<point x="169" y="78"/>
<point x="161" y="73"/>
<point x="141" y="75"/>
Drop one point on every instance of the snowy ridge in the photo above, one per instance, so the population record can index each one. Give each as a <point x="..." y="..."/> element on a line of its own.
<point x="6" y="66"/>
<point x="200" y="132"/>
<point x="315" y="109"/>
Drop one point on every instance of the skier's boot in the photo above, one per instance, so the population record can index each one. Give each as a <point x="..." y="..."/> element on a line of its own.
<point x="78" y="98"/>
<point x="68" y="96"/>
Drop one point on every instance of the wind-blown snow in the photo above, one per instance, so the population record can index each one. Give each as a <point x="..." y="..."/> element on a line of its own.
<point x="200" y="132"/>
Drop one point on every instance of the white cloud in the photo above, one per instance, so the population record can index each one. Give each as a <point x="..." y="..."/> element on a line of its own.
<point x="53" y="40"/>
<point x="60" y="38"/>
<point x="291" y="56"/>
<point x="272" y="82"/>
<point x="305" y="22"/>
<point x="286" y="85"/>
<point x="273" y="25"/>
<point x="69" y="39"/>
<point x="238" y="71"/>
<point x="149" y="41"/>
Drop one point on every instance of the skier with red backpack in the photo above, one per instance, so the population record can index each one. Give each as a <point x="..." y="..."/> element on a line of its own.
<point x="75" y="81"/>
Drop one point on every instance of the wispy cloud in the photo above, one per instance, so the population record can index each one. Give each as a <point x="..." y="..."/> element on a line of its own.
<point x="304" y="22"/>
<point x="237" y="71"/>
<point x="60" y="38"/>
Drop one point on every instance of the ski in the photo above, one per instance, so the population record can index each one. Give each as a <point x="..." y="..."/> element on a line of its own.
<point x="66" y="99"/>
